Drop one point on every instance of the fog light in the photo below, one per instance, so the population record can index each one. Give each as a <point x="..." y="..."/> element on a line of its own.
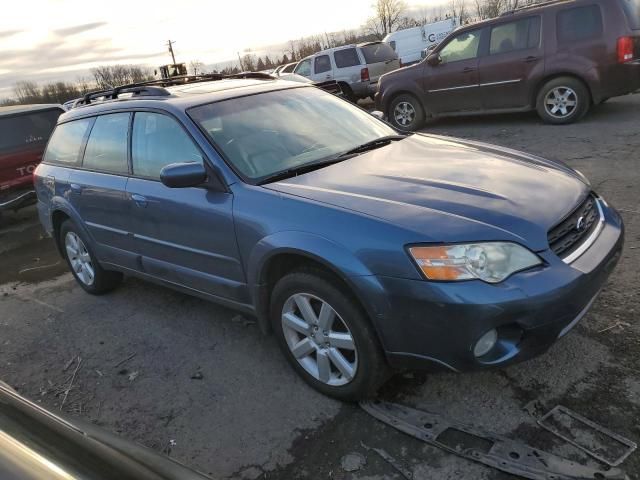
<point x="486" y="343"/>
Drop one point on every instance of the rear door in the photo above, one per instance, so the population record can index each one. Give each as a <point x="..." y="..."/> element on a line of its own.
<point x="23" y="138"/>
<point x="380" y="59"/>
<point x="513" y="64"/>
<point x="453" y="85"/>
<point x="322" y="68"/>
<point x="97" y="189"/>
<point x="185" y="235"/>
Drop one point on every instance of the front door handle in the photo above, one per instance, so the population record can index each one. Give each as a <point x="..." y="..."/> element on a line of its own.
<point x="468" y="70"/>
<point x="139" y="200"/>
<point x="531" y="59"/>
<point x="76" y="189"/>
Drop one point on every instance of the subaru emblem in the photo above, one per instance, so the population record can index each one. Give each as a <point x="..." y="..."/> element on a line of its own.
<point x="580" y="224"/>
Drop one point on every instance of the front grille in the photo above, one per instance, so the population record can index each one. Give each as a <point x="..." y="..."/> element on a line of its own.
<point x="573" y="231"/>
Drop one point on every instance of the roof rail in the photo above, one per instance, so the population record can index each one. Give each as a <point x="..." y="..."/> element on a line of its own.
<point x="532" y="5"/>
<point x="156" y="88"/>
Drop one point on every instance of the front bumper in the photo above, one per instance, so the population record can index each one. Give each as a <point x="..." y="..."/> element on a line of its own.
<point x="17" y="199"/>
<point x="437" y="324"/>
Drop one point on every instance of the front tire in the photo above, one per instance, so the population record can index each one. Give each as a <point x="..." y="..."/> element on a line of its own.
<point x="406" y="113"/>
<point x="83" y="263"/>
<point x="326" y="336"/>
<point x="562" y="101"/>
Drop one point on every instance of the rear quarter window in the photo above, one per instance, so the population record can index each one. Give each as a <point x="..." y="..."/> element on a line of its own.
<point x="378" y="52"/>
<point x="346" y="58"/>
<point x="580" y="23"/>
<point x="66" y="142"/>
<point x="27" y="131"/>
<point x="632" y="10"/>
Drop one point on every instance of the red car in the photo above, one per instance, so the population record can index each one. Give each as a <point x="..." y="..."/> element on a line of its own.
<point x="24" y="132"/>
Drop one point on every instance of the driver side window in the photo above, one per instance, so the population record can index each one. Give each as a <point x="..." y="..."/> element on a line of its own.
<point x="463" y="47"/>
<point x="304" y="68"/>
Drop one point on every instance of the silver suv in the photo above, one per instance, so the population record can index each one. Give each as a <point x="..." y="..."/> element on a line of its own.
<point x="356" y="68"/>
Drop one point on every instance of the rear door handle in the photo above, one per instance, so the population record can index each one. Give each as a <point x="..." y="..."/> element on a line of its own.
<point x="139" y="200"/>
<point x="75" y="188"/>
<point x="468" y="70"/>
<point x="531" y="59"/>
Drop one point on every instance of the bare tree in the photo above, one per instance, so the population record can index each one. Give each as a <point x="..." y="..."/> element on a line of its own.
<point x="386" y="18"/>
<point x="458" y="9"/>
<point x="113" y="75"/>
<point x="196" y="67"/>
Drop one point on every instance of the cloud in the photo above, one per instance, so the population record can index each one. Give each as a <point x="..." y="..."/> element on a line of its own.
<point x="85" y="27"/>
<point x="9" y="33"/>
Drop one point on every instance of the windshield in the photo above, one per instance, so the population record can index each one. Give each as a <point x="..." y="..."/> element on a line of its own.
<point x="378" y="52"/>
<point x="262" y="135"/>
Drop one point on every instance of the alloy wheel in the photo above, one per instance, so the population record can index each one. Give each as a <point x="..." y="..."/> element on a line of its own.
<point x="404" y="114"/>
<point x="79" y="258"/>
<point x="319" y="339"/>
<point x="561" y="102"/>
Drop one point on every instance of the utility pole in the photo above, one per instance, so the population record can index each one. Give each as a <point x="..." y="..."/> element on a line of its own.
<point x="170" y="45"/>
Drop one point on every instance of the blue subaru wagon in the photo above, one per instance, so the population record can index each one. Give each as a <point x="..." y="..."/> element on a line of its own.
<point x="363" y="250"/>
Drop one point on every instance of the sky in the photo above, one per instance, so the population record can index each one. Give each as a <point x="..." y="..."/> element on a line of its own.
<point x="45" y="40"/>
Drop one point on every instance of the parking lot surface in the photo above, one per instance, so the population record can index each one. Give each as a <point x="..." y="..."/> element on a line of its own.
<point x="200" y="382"/>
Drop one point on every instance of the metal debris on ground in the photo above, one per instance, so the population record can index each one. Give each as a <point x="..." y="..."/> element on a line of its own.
<point x="483" y="447"/>
<point x="404" y="471"/>
<point x="593" y="439"/>
<point x="197" y="376"/>
<point x="133" y="375"/>
<point x="615" y="325"/>
<point x="353" y="462"/>
<point x="125" y="360"/>
<point x="73" y="379"/>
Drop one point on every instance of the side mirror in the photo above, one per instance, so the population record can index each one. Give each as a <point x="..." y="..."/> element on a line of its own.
<point x="434" y="59"/>
<point x="183" y="175"/>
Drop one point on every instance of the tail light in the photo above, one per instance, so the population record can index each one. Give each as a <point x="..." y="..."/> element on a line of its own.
<point x="364" y="75"/>
<point x="625" y="49"/>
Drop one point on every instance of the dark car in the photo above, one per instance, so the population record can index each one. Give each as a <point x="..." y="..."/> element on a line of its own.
<point x="35" y="444"/>
<point x="558" y="59"/>
<point x="24" y="131"/>
<point x="358" y="247"/>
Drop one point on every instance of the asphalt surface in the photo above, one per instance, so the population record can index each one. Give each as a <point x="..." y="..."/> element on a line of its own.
<point x="199" y="381"/>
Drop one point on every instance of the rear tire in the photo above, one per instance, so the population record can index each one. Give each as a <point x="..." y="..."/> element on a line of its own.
<point x="339" y="357"/>
<point x="347" y="93"/>
<point x="563" y="100"/>
<point x="406" y="113"/>
<point x="83" y="263"/>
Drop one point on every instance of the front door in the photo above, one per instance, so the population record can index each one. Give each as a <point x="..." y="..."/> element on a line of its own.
<point x="186" y="235"/>
<point x="453" y="84"/>
<point x="515" y="57"/>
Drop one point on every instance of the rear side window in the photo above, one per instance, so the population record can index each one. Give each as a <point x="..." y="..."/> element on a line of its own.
<point x="27" y="130"/>
<point x="67" y="141"/>
<point x="581" y="23"/>
<point x="632" y="10"/>
<point x="378" y="52"/>
<point x="107" y="146"/>
<point x="158" y="141"/>
<point x="514" y="36"/>
<point x="322" y="64"/>
<point x="346" y="58"/>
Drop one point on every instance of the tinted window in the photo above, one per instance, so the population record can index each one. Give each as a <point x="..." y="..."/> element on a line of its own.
<point x="322" y="64"/>
<point x="158" y="141"/>
<point x="378" y="52"/>
<point x="304" y="68"/>
<point x="463" y="47"/>
<point x="107" y="145"/>
<point x="267" y="133"/>
<point x="346" y="58"/>
<point x="513" y="36"/>
<point x="580" y="23"/>
<point x="66" y="141"/>
<point x="632" y="9"/>
<point x="27" y="130"/>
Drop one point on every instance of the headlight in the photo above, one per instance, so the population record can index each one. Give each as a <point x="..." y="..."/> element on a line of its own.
<point x="491" y="262"/>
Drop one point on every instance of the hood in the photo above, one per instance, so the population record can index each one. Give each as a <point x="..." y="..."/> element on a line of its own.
<point x="448" y="190"/>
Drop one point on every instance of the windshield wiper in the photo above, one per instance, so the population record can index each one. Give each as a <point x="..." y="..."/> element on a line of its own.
<point x="373" y="144"/>
<point x="300" y="169"/>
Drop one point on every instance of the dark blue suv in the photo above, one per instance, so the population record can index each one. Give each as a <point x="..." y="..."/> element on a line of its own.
<point x="359" y="247"/>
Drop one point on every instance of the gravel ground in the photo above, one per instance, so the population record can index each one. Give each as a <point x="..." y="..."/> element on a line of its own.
<point x="158" y="366"/>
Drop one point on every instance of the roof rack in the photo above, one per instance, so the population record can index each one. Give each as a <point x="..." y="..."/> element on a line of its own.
<point x="533" y="5"/>
<point x="156" y="88"/>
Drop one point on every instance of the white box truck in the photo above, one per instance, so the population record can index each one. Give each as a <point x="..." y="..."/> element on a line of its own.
<point x="410" y="42"/>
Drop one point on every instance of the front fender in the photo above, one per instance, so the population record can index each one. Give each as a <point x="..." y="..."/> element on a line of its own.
<point x="328" y="253"/>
